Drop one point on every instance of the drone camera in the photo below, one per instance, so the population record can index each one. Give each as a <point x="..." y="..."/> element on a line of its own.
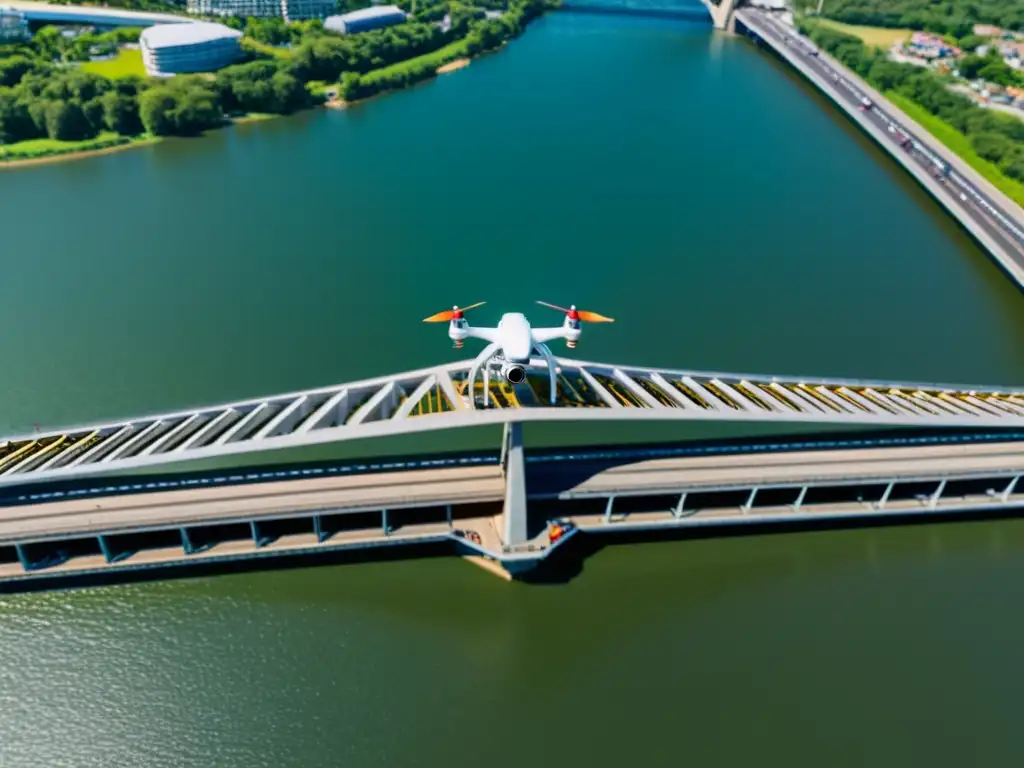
<point x="514" y="374"/>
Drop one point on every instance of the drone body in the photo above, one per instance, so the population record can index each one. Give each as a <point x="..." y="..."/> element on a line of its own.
<point x="513" y="342"/>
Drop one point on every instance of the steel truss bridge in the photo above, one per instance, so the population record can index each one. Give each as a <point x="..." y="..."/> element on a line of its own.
<point x="440" y="398"/>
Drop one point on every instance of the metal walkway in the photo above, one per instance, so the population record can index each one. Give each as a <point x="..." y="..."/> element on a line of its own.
<point x="436" y="398"/>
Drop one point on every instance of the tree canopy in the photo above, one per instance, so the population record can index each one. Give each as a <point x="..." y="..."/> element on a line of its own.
<point x="956" y="17"/>
<point x="42" y="97"/>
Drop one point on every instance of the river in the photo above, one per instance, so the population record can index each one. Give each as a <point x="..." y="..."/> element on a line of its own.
<point x="677" y="180"/>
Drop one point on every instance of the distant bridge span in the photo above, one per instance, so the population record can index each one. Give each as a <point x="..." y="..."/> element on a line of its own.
<point x="720" y="13"/>
<point x="439" y="398"/>
<point x="94" y="15"/>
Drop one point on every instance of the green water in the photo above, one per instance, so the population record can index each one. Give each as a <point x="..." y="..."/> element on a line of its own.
<point x="672" y="178"/>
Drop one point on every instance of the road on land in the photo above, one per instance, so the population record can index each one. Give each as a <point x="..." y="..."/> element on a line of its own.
<point x="999" y="224"/>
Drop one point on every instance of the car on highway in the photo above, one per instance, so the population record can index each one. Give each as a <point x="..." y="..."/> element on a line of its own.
<point x="865" y="103"/>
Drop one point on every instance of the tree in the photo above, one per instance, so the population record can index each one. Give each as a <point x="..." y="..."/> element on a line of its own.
<point x="349" y="87"/>
<point x="991" y="146"/>
<point x="971" y="42"/>
<point x="65" y="121"/>
<point x="197" y="110"/>
<point x="156" y="111"/>
<point x="15" y="122"/>
<point x="956" y="17"/>
<point x="1013" y="165"/>
<point x="998" y="71"/>
<point x="13" y="68"/>
<point x="289" y="94"/>
<point x="92" y="110"/>
<point x="121" y="113"/>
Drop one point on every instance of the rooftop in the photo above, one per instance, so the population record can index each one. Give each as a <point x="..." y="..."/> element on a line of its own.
<point x="173" y="35"/>
<point x="372" y="12"/>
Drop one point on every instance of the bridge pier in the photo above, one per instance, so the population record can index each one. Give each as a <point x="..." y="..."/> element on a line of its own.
<point x="513" y="466"/>
<point x="722" y="14"/>
<point x="23" y="558"/>
<point x="108" y="553"/>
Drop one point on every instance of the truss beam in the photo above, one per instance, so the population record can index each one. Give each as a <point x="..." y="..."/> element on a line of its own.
<point x="442" y="397"/>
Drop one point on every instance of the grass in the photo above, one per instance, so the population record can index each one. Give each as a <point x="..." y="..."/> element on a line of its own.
<point x="960" y="145"/>
<point x="438" y="58"/>
<point x="270" y="50"/>
<point x="319" y="87"/>
<point x="254" y="117"/>
<point x="37" y="148"/>
<point x="127" y="62"/>
<point x="874" y="36"/>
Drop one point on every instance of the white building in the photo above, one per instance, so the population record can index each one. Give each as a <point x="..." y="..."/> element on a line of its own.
<point x="13" y="26"/>
<point x="289" y="10"/>
<point x="174" y="49"/>
<point x="366" y="19"/>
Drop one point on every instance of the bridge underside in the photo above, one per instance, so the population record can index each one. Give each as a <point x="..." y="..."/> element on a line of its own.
<point x="441" y="398"/>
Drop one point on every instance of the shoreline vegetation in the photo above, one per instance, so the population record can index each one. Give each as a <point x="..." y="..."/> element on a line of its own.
<point x="340" y="103"/>
<point x="46" y="151"/>
<point x="57" y="105"/>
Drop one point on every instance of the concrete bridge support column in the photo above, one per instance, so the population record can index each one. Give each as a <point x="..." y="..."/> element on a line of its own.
<point x="513" y="465"/>
<point x="186" y="542"/>
<point x="26" y="564"/>
<point x="722" y="14"/>
<point x="108" y="554"/>
<point x="1009" y="488"/>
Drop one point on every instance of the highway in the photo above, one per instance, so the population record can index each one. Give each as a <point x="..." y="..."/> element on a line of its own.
<point x="990" y="215"/>
<point x="172" y="509"/>
<point x="785" y="469"/>
<point x="485" y="484"/>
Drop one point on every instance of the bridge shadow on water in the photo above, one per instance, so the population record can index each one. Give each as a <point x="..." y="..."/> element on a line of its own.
<point x="697" y="14"/>
<point x="570" y="562"/>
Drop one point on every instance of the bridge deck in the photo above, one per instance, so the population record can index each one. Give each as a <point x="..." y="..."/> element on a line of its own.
<point x="460" y="507"/>
<point x="438" y="398"/>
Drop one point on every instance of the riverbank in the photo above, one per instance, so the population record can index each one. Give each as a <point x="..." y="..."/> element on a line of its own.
<point x="46" y="151"/>
<point x="452" y="66"/>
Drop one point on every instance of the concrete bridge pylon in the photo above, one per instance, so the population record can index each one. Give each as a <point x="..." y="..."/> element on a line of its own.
<point x="722" y="13"/>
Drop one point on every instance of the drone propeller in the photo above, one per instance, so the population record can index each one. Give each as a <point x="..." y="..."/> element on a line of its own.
<point x="572" y="312"/>
<point x="450" y="314"/>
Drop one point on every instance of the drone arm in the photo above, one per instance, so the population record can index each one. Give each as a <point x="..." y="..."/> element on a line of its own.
<point x="489" y="335"/>
<point x="544" y="335"/>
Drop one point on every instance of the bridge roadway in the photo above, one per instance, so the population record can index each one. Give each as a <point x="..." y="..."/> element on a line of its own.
<point x="995" y="220"/>
<point x="187" y="527"/>
<point x="93" y="15"/>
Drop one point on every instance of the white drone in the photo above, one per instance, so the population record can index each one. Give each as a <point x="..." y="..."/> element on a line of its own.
<point x="513" y="343"/>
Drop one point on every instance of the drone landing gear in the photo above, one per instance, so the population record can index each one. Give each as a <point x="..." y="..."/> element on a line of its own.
<point x="492" y="354"/>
